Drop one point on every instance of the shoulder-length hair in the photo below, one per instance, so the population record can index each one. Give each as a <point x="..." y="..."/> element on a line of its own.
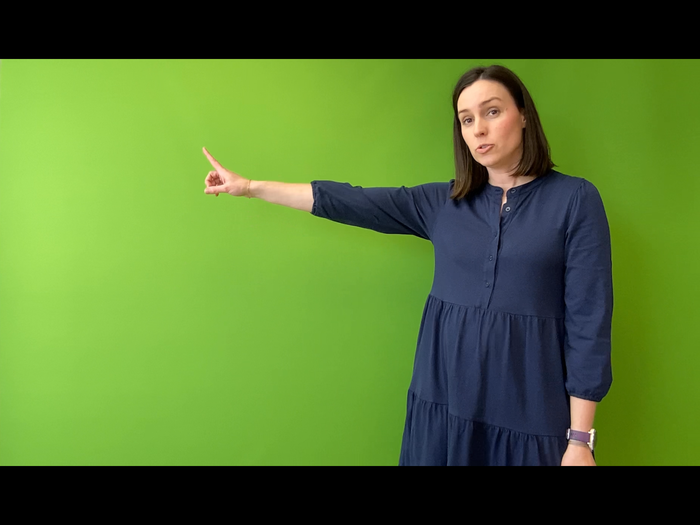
<point x="470" y="176"/>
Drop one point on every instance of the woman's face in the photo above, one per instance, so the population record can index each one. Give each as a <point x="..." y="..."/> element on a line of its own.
<point x="492" y="125"/>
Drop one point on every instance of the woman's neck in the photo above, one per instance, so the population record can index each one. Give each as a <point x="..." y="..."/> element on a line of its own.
<point x="506" y="181"/>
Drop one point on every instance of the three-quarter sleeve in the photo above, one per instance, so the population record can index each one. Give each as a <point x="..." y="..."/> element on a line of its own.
<point x="401" y="210"/>
<point x="588" y="296"/>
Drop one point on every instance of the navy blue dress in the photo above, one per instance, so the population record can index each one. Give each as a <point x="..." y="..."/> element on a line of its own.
<point x="518" y="318"/>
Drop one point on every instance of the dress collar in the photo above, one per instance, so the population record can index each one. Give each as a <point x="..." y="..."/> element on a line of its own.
<point x="520" y="190"/>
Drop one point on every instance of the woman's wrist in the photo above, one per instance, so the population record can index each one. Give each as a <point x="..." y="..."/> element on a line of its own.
<point x="578" y="444"/>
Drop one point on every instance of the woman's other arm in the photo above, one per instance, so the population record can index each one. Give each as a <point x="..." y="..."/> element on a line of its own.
<point x="582" y="414"/>
<point x="588" y="301"/>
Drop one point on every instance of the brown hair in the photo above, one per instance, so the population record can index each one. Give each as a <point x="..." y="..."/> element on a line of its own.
<point x="470" y="176"/>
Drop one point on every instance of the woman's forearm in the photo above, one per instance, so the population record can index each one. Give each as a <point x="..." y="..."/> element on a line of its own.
<point x="582" y="414"/>
<point x="298" y="196"/>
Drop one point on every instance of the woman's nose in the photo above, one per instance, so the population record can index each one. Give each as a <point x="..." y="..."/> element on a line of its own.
<point x="479" y="128"/>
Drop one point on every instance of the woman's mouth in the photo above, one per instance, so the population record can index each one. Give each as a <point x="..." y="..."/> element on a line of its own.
<point x="484" y="148"/>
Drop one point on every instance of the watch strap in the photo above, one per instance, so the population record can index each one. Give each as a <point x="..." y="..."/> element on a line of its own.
<point x="589" y="438"/>
<point x="578" y="435"/>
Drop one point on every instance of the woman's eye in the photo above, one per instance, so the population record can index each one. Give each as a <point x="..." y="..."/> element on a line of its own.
<point x="467" y="120"/>
<point x="493" y="111"/>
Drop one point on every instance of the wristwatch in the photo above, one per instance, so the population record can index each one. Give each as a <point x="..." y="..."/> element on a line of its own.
<point x="589" y="438"/>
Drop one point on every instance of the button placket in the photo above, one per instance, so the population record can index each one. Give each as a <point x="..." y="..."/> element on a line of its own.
<point x="510" y="205"/>
<point x="490" y="268"/>
<point x="491" y="255"/>
<point x="503" y="217"/>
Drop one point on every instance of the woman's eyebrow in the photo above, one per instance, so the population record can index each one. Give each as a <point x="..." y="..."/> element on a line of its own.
<point x="481" y="104"/>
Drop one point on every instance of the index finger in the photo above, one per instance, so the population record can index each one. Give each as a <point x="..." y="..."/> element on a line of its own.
<point x="212" y="160"/>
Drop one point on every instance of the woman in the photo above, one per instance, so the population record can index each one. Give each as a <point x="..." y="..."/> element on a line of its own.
<point x="513" y="351"/>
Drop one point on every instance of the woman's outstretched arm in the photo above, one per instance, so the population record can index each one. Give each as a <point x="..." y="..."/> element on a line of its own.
<point x="401" y="210"/>
<point x="221" y="180"/>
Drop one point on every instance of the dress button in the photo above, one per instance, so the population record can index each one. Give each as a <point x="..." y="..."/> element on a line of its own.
<point x="512" y="191"/>
<point x="508" y="208"/>
<point x="487" y="284"/>
<point x="490" y="257"/>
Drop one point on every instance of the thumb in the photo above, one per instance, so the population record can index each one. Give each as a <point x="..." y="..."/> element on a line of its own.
<point x="212" y="160"/>
<point x="215" y="189"/>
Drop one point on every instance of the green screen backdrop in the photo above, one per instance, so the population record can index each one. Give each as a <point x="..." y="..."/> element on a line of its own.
<point x="145" y="323"/>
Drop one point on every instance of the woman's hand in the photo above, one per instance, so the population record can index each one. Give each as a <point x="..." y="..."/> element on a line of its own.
<point x="222" y="180"/>
<point x="578" y="456"/>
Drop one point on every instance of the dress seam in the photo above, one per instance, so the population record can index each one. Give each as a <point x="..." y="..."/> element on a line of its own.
<point x="439" y="213"/>
<point x="570" y="204"/>
<point x="480" y="422"/>
<point x="493" y="310"/>
<point x="498" y="427"/>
